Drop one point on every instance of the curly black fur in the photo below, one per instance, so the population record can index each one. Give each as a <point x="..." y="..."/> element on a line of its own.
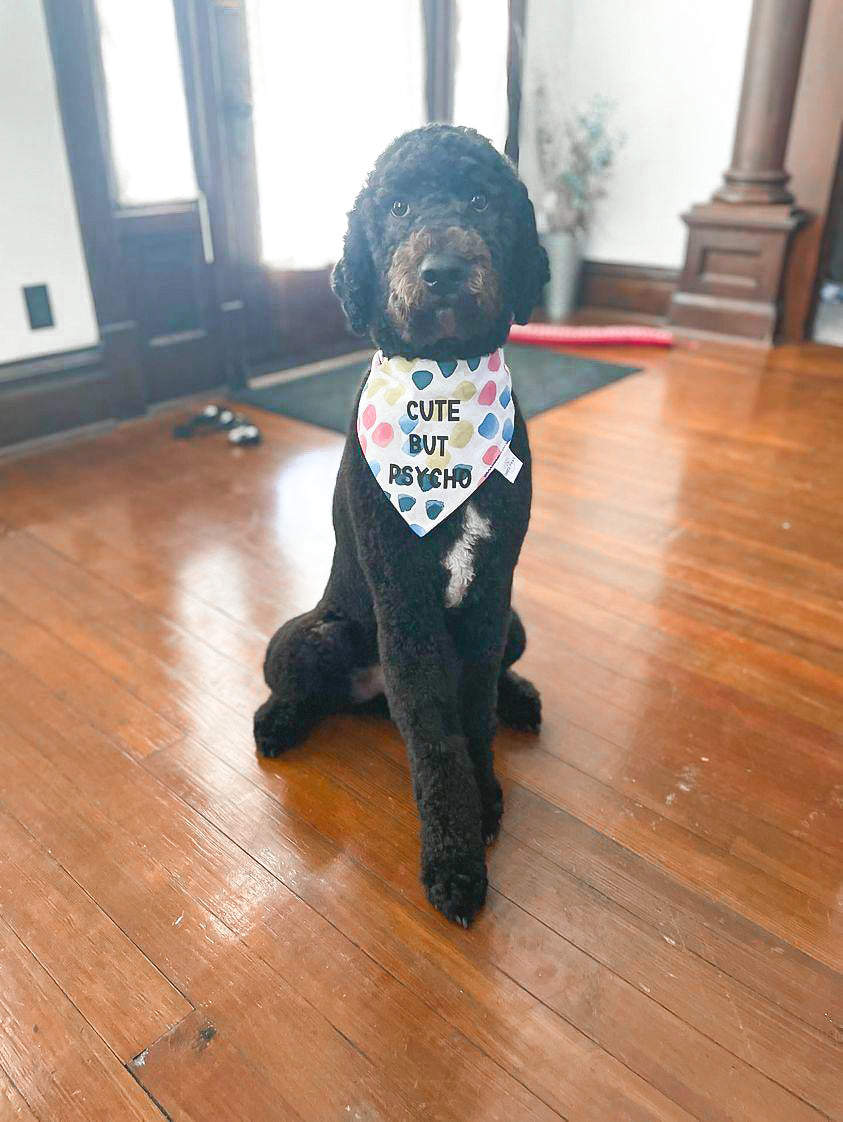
<point x="445" y="669"/>
<point x="438" y="170"/>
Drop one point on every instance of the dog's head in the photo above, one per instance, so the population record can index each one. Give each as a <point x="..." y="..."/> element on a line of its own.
<point x="441" y="252"/>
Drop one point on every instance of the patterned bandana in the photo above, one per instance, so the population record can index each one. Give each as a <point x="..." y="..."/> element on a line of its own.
<point x="432" y="431"/>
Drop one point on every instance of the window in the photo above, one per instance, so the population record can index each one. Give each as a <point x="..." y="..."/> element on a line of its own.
<point x="332" y="84"/>
<point x="147" y="112"/>
<point x="480" y="71"/>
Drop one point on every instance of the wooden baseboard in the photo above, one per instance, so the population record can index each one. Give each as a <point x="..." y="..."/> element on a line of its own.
<point x="645" y="290"/>
<point x="53" y="393"/>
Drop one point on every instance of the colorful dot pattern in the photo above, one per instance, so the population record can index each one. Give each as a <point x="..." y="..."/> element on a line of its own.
<point x="420" y="423"/>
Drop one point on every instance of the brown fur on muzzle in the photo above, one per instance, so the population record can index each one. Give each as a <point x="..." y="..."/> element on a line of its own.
<point x="415" y="310"/>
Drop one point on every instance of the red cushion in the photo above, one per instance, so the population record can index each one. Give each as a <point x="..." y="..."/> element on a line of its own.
<point x="560" y="334"/>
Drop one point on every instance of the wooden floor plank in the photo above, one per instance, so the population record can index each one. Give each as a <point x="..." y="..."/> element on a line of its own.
<point x="225" y="888"/>
<point x="124" y="998"/>
<point x="390" y="855"/>
<point x="200" y="692"/>
<point x="663" y="934"/>
<point x="58" y="1064"/>
<point x="13" y="1106"/>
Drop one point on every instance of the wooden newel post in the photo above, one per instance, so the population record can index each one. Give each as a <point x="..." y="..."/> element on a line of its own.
<point x="737" y="243"/>
<point x="774" y="52"/>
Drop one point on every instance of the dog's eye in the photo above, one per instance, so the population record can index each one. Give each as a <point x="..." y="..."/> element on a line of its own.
<point x="479" y="201"/>
<point x="400" y="208"/>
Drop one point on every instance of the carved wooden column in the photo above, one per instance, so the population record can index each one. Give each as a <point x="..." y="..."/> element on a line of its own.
<point x="737" y="243"/>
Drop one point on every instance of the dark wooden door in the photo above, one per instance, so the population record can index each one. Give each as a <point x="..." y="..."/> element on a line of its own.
<point x="165" y="289"/>
<point x="166" y="245"/>
<point x="170" y="287"/>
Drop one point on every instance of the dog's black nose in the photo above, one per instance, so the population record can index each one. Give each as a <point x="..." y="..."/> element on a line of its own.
<point x="442" y="272"/>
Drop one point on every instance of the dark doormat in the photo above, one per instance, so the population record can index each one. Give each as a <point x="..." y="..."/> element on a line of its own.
<point x="541" y="379"/>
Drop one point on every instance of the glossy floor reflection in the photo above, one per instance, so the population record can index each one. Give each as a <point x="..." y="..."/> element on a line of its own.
<point x="185" y="929"/>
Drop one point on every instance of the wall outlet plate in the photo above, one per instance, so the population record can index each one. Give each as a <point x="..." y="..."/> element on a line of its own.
<point x="38" y="306"/>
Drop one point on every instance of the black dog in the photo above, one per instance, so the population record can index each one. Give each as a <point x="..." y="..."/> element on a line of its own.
<point x="440" y="256"/>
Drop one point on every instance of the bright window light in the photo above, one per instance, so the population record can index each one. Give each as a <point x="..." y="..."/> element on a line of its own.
<point x="150" y="140"/>
<point x="480" y="79"/>
<point x="332" y="83"/>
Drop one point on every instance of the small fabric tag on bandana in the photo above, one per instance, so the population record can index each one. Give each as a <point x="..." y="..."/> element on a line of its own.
<point x="508" y="465"/>
<point x="431" y="432"/>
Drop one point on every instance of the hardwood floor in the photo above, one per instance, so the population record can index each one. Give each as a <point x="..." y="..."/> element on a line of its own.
<point x="189" y="933"/>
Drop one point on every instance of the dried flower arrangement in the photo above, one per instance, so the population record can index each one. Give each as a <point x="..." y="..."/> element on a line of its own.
<point x="575" y="159"/>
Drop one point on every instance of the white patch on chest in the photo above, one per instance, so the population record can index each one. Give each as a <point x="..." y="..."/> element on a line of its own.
<point x="459" y="561"/>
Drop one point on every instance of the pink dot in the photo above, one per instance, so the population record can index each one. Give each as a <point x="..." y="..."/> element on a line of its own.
<point x="362" y="442"/>
<point x="491" y="454"/>
<point x="369" y="415"/>
<point x="382" y="434"/>
<point x="488" y="394"/>
<point x="495" y="361"/>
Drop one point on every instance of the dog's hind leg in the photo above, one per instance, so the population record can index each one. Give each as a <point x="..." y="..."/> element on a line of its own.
<point x="519" y="702"/>
<point x="308" y="668"/>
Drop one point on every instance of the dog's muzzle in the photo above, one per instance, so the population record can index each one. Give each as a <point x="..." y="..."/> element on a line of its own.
<point x="442" y="284"/>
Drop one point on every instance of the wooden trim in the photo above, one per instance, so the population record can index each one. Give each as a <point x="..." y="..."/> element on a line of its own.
<point x="200" y="34"/>
<point x="52" y="393"/>
<point x="71" y="27"/>
<point x="41" y="366"/>
<point x="440" y="26"/>
<point x="514" y="75"/>
<point x="643" y="289"/>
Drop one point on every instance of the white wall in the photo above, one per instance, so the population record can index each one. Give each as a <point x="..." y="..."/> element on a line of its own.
<point x="39" y="232"/>
<point x="674" y="68"/>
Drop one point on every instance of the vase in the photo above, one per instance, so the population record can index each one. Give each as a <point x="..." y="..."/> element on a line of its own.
<point x="563" y="253"/>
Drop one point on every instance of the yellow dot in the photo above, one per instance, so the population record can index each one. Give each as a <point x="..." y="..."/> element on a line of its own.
<point x="374" y="386"/>
<point x="439" y="460"/>
<point x="393" y="393"/>
<point x="461" y="434"/>
<point x="465" y="391"/>
<point x="401" y="365"/>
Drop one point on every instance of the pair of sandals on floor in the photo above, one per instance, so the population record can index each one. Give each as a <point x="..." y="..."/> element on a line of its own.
<point x="218" y="418"/>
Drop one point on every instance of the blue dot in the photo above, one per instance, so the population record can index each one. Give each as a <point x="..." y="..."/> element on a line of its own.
<point x="473" y="363"/>
<point x="462" y="470"/>
<point x="434" y="508"/>
<point x="426" y="482"/>
<point x="407" y="424"/>
<point x="406" y="502"/>
<point x="505" y="397"/>
<point x="508" y="429"/>
<point x="488" y="426"/>
<point x="422" y="378"/>
<point x="405" y="448"/>
<point x="375" y="466"/>
<point x="420" y="530"/>
<point x="447" y="369"/>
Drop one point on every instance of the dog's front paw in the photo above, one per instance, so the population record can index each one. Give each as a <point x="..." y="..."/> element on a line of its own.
<point x="456" y="886"/>
<point x="275" y="731"/>
<point x="519" y="703"/>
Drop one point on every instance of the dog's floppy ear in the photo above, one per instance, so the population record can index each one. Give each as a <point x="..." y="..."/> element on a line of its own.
<point x="530" y="268"/>
<point x="353" y="275"/>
